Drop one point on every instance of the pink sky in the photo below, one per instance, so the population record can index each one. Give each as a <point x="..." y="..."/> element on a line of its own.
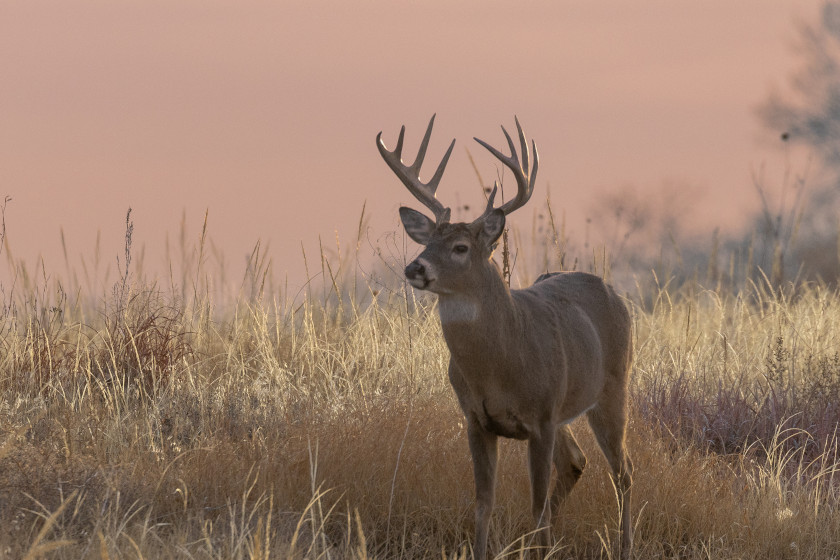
<point x="265" y="113"/>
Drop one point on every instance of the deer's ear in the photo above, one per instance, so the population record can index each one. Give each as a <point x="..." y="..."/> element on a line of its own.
<point x="418" y="226"/>
<point x="493" y="224"/>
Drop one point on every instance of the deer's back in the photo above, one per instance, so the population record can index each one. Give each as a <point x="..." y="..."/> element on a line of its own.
<point x="581" y="305"/>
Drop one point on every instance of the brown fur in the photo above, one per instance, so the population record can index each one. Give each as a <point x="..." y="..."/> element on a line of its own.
<point x="525" y="363"/>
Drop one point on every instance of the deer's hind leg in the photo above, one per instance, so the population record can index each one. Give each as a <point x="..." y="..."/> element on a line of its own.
<point x="569" y="461"/>
<point x="609" y="423"/>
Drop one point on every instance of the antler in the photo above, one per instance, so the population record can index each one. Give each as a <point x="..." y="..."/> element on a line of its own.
<point x="524" y="179"/>
<point x="410" y="174"/>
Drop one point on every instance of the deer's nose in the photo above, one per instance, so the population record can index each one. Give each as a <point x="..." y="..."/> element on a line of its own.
<point x="414" y="270"/>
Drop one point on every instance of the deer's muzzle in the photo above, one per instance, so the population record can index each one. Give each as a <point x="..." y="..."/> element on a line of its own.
<point x="415" y="273"/>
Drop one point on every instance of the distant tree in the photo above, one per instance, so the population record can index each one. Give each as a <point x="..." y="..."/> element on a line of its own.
<point x="808" y="115"/>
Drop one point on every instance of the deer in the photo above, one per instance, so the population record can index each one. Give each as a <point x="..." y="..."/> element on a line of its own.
<point x="524" y="363"/>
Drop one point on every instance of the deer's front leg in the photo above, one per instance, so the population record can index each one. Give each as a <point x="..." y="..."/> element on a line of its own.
<point x="484" y="452"/>
<point x="540" y="452"/>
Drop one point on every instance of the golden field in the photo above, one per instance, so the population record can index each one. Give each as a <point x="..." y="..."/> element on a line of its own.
<point x="151" y="422"/>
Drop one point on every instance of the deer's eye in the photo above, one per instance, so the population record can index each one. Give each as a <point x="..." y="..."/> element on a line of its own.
<point x="460" y="249"/>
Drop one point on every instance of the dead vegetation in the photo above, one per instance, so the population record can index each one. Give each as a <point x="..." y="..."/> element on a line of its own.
<point x="147" y="424"/>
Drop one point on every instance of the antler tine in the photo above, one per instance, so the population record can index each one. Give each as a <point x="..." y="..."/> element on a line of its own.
<point x="535" y="167"/>
<point x="523" y="144"/>
<point x="491" y="198"/>
<point x="421" y="153"/>
<point x="435" y="180"/>
<point x="398" y="149"/>
<point x="410" y="174"/>
<point x="525" y="180"/>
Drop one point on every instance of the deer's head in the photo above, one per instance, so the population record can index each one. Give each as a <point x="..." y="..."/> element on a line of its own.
<point x="454" y="251"/>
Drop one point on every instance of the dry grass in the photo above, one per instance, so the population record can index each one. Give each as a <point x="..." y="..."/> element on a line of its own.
<point x="152" y="425"/>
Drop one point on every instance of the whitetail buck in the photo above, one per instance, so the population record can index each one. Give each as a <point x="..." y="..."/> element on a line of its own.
<point x="523" y="363"/>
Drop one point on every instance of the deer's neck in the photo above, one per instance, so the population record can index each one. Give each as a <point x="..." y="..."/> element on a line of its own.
<point x="478" y="318"/>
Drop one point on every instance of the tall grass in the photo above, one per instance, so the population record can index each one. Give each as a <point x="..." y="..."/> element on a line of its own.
<point x="163" y="422"/>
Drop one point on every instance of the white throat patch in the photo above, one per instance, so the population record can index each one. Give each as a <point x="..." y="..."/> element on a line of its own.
<point x="457" y="310"/>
